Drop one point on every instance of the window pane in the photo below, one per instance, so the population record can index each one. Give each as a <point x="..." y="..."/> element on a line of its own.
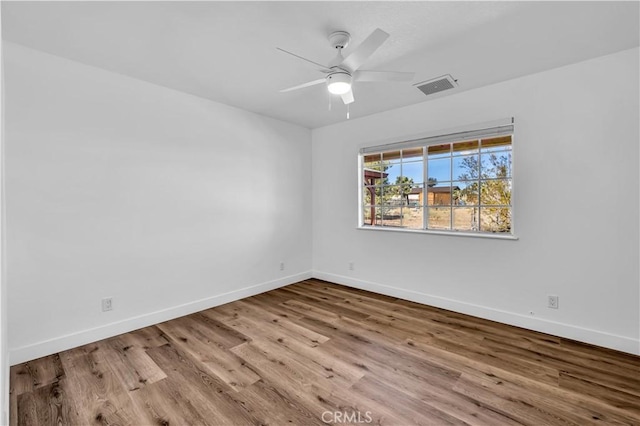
<point x="439" y="218"/>
<point x="465" y="218"/>
<point x="495" y="192"/>
<point x="367" y="214"/>
<point x="376" y="196"/>
<point x="412" y="154"/>
<point x="465" y="148"/>
<point x="393" y="172"/>
<point x="413" y="171"/>
<point x="496" y="165"/>
<point x="391" y="157"/>
<point x="496" y="144"/>
<point x="415" y="196"/>
<point x="377" y="218"/>
<point x="373" y="174"/>
<point x="412" y="217"/>
<point x="391" y="216"/>
<point x="404" y="193"/>
<point x="465" y="193"/>
<point x="440" y="169"/>
<point x="465" y="167"/>
<point x="366" y="194"/>
<point x="439" y="151"/>
<point x="370" y="211"/>
<point x="495" y="219"/>
<point x="439" y="196"/>
<point x="390" y="196"/>
<point x="370" y="159"/>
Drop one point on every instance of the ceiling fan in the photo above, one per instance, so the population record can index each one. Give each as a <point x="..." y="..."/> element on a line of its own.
<point x="342" y="72"/>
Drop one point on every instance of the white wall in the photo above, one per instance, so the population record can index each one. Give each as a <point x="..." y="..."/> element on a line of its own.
<point x="576" y="196"/>
<point x="119" y="188"/>
<point x="4" y="350"/>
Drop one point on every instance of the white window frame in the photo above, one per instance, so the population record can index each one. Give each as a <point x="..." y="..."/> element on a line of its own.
<point x="476" y="131"/>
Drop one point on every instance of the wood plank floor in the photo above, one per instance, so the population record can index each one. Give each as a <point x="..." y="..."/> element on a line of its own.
<point x="315" y="353"/>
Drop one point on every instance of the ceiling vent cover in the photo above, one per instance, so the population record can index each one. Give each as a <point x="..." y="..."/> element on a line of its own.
<point x="437" y="84"/>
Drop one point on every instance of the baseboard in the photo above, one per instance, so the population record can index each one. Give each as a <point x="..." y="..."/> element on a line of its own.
<point x="62" y="343"/>
<point x="595" y="337"/>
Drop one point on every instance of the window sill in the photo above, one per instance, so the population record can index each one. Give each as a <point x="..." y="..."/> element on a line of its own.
<point x="434" y="232"/>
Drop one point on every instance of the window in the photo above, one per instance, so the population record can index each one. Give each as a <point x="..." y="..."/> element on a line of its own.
<point x="453" y="183"/>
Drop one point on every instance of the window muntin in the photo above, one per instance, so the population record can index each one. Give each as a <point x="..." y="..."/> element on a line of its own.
<point x="463" y="186"/>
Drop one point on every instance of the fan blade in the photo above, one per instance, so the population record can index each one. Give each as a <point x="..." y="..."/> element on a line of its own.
<point x="347" y="98"/>
<point x="366" y="49"/>
<point x="301" y="86"/>
<point x="320" y="67"/>
<point x="383" y="76"/>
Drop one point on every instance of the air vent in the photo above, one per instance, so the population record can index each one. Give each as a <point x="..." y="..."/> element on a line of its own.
<point x="436" y="85"/>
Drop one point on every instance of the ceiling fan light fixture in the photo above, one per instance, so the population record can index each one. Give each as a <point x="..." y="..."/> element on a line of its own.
<point x="341" y="72"/>
<point x="339" y="82"/>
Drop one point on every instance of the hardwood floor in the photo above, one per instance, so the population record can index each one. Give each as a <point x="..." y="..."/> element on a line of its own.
<point x="315" y="353"/>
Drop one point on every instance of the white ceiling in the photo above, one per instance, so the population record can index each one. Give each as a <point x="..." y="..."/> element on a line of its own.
<point x="226" y="51"/>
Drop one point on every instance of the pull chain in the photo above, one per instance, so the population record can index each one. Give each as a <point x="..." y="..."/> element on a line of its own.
<point x="348" y="110"/>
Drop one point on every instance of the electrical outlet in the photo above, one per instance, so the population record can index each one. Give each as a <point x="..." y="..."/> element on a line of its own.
<point x="282" y="266"/>
<point x="351" y="266"/>
<point x="107" y="304"/>
<point x="553" y="301"/>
